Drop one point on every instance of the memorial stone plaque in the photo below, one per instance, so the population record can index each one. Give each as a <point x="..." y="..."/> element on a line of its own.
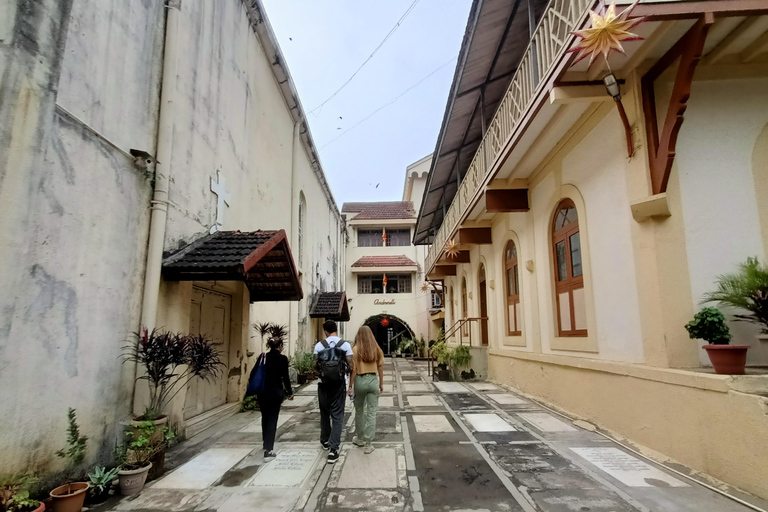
<point x="627" y="469"/>
<point x="289" y="469"/>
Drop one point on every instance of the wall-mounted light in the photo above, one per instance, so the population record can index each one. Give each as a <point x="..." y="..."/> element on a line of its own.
<point x="613" y="89"/>
<point x="612" y="86"/>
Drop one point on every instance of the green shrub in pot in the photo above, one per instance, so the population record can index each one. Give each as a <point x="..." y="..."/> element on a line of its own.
<point x="709" y="325"/>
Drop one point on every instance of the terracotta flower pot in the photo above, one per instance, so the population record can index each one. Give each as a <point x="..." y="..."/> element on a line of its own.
<point x="41" y="508"/>
<point x="727" y="359"/>
<point x="132" y="480"/>
<point x="69" y="497"/>
<point x="159" y="433"/>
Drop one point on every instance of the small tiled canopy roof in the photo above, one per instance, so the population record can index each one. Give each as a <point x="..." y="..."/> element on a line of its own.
<point x="385" y="261"/>
<point x="261" y="259"/>
<point x="331" y="305"/>
<point x="381" y="210"/>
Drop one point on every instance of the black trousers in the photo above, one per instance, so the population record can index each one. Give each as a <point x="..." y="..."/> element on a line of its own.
<point x="332" y="399"/>
<point x="270" y="410"/>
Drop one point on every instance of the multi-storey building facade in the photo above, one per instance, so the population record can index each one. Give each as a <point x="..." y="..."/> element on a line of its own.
<point x="386" y="289"/>
<point x="576" y="232"/>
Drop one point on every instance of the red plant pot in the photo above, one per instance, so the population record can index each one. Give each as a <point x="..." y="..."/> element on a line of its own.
<point x="727" y="359"/>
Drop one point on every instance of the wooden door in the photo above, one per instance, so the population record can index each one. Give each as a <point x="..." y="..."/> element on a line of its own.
<point x="483" y="312"/>
<point x="209" y="315"/>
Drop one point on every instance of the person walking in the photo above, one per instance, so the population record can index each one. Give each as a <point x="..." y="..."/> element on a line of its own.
<point x="277" y="385"/>
<point x="365" y="384"/>
<point x="333" y="358"/>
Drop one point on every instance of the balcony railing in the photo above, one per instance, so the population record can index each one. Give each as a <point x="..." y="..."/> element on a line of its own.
<point x="547" y="46"/>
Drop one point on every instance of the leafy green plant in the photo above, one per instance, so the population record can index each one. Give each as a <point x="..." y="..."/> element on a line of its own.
<point x="76" y="443"/>
<point x="249" y="403"/>
<point x="460" y="356"/>
<point x="277" y="331"/>
<point x="421" y="346"/>
<point x="407" y="346"/>
<point x="141" y="447"/>
<point x="171" y="361"/>
<point x="441" y="353"/>
<point x="303" y="362"/>
<point x="101" y="479"/>
<point x="14" y="492"/>
<point x="709" y="325"/>
<point x="746" y="289"/>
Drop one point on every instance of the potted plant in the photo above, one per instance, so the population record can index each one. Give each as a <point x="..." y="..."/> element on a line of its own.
<point x="746" y="290"/>
<point x="71" y="497"/>
<point x="460" y="357"/>
<point x="709" y="325"/>
<point x="442" y="355"/>
<point x="14" y="493"/>
<point x="407" y="346"/>
<point x="135" y="457"/>
<point x="304" y="364"/>
<point x="100" y="480"/>
<point x="170" y="362"/>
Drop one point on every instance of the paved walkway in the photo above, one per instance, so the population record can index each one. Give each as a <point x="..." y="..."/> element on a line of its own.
<point x="440" y="446"/>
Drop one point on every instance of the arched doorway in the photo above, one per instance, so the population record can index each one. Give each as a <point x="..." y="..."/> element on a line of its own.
<point x="483" y="306"/>
<point x="389" y="331"/>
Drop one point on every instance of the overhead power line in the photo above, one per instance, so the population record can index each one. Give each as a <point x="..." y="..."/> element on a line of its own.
<point x="387" y="104"/>
<point x="389" y="34"/>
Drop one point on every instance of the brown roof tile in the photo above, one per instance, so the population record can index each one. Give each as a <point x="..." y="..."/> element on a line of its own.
<point x="385" y="261"/>
<point x="331" y="305"/>
<point x="381" y="210"/>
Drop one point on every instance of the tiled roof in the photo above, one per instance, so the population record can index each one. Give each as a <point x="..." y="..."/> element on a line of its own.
<point x="331" y="305"/>
<point x="261" y="259"/>
<point x="381" y="210"/>
<point x="385" y="261"/>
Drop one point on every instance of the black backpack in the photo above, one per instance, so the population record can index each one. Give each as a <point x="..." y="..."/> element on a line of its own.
<point x="332" y="363"/>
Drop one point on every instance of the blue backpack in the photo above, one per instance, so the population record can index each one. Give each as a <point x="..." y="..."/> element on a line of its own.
<point x="257" y="377"/>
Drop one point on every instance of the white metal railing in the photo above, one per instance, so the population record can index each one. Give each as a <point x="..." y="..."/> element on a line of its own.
<point x="546" y="48"/>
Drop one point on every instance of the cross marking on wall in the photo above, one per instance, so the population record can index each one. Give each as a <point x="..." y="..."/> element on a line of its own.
<point x="219" y="187"/>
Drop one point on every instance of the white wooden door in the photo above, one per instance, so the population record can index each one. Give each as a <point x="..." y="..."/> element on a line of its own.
<point x="209" y="315"/>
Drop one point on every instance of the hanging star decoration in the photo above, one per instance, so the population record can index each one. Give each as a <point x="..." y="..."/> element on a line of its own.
<point x="424" y="286"/>
<point x="451" y="248"/>
<point x="385" y="322"/>
<point x="607" y="33"/>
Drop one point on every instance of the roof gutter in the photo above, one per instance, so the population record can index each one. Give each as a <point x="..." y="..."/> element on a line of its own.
<point x="260" y="24"/>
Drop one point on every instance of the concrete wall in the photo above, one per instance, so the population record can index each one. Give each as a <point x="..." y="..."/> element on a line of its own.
<point x="80" y="87"/>
<point x="75" y="217"/>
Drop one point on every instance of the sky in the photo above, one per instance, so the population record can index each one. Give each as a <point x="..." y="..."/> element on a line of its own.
<point x="326" y="41"/>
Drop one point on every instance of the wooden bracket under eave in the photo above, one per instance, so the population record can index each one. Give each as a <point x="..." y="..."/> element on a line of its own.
<point x="506" y="200"/>
<point x="476" y="236"/>
<point x="661" y="148"/>
<point x="461" y="257"/>
<point x="653" y="207"/>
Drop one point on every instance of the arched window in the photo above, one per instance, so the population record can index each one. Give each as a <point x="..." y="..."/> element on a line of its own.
<point x="569" y="279"/>
<point x="302" y="220"/>
<point x="464" y="306"/>
<point x="512" y="289"/>
<point x="450" y="305"/>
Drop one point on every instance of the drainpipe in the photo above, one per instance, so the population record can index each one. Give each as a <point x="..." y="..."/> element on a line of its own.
<point x="296" y="125"/>
<point x="159" y="206"/>
<point x="163" y="151"/>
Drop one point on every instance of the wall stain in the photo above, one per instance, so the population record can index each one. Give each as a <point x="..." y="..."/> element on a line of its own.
<point x="55" y="303"/>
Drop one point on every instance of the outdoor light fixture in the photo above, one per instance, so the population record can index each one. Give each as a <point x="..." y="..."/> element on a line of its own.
<point x="614" y="91"/>
<point x="612" y="86"/>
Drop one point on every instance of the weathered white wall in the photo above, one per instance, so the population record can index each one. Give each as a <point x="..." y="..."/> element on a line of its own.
<point x="718" y="190"/>
<point x="75" y="218"/>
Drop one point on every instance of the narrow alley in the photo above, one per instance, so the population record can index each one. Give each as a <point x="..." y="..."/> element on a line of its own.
<point x="439" y="446"/>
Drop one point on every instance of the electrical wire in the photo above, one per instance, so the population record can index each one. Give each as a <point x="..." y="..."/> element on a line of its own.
<point x="389" y="34"/>
<point x="386" y="105"/>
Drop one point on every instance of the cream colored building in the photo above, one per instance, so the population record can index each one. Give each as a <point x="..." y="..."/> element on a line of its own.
<point x="386" y="287"/>
<point x="587" y="255"/>
<point x="234" y="224"/>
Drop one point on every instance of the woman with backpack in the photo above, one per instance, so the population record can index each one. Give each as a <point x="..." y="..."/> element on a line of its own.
<point x="365" y="384"/>
<point x="277" y="385"/>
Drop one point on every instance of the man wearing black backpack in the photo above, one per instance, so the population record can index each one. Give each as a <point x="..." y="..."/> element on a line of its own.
<point x="333" y="358"/>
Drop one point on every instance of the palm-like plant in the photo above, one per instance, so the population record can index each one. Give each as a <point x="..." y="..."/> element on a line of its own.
<point x="263" y="329"/>
<point x="746" y="289"/>
<point x="171" y="361"/>
<point x="277" y="331"/>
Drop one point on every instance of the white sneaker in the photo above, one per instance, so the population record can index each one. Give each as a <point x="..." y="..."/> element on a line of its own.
<point x="357" y="441"/>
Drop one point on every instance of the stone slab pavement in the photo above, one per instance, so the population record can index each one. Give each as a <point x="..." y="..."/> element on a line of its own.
<point x="453" y="446"/>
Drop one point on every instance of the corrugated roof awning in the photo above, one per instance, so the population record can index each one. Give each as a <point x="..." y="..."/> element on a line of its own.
<point x="331" y="305"/>
<point x="384" y="262"/>
<point x="261" y="259"/>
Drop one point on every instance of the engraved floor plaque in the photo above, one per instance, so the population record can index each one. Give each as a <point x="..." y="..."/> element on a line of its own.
<point x="627" y="469"/>
<point x="289" y="469"/>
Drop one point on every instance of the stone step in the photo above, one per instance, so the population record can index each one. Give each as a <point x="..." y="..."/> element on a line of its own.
<point x="194" y="426"/>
